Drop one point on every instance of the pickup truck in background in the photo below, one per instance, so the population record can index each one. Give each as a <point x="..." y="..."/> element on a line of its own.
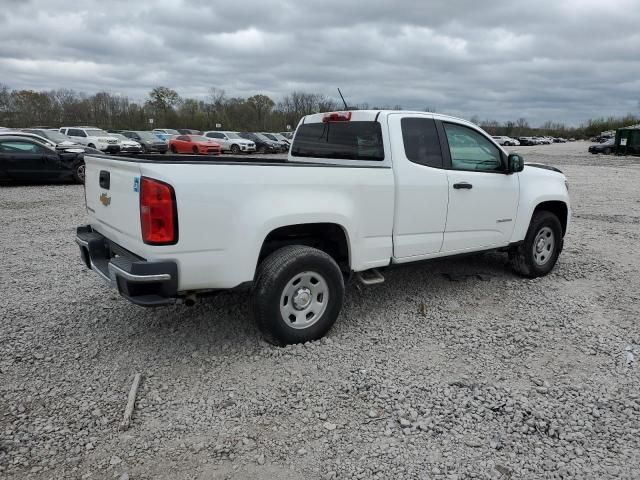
<point x="360" y="191"/>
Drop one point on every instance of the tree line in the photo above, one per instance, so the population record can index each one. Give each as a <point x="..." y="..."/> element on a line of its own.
<point x="165" y="108"/>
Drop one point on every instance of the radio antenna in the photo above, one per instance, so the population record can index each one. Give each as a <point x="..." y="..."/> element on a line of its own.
<point x="343" y="101"/>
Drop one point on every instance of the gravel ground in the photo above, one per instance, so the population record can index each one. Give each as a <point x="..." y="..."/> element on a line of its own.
<point x="451" y="369"/>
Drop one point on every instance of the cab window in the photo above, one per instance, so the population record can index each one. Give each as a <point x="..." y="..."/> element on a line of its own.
<point x="471" y="150"/>
<point x="421" y="143"/>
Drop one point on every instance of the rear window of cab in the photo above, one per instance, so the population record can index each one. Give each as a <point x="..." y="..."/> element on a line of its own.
<point x="339" y="140"/>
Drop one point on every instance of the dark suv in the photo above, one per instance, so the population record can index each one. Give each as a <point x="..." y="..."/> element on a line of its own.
<point x="263" y="144"/>
<point x="149" y="141"/>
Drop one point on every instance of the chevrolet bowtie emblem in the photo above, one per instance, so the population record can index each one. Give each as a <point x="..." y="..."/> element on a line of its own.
<point x="105" y="199"/>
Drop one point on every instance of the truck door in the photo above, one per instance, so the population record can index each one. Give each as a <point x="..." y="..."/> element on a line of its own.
<point x="483" y="198"/>
<point x="421" y="186"/>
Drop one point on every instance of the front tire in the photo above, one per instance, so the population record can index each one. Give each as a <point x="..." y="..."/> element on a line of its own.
<point x="235" y="149"/>
<point x="297" y="295"/>
<point x="539" y="252"/>
<point x="79" y="172"/>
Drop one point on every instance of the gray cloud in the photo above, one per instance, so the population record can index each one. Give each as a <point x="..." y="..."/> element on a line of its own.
<point x="547" y="60"/>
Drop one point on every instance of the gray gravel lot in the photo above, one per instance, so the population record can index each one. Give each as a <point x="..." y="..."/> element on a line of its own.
<point x="450" y="369"/>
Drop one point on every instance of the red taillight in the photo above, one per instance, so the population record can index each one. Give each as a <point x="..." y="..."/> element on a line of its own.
<point x="337" y="117"/>
<point x="158" y="212"/>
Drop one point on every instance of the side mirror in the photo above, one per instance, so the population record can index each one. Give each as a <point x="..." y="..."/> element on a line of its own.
<point x="515" y="163"/>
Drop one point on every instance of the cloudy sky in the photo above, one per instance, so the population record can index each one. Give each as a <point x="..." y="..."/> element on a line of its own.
<point x="561" y="60"/>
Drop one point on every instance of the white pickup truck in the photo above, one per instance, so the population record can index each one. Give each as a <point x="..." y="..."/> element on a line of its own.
<point x="360" y="191"/>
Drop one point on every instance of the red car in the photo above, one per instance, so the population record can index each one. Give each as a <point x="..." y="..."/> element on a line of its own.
<point x="194" y="144"/>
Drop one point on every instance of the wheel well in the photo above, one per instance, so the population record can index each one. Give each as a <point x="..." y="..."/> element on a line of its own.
<point x="328" y="237"/>
<point x="559" y="209"/>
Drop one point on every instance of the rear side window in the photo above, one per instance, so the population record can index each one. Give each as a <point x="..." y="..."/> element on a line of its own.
<point x="421" y="142"/>
<point x="339" y="140"/>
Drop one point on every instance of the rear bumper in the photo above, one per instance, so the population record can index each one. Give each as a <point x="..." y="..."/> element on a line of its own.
<point x="139" y="281"/>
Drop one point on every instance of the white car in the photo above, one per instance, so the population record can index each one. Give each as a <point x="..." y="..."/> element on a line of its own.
<point x="231" y="142"/>
<point x="360" y="191"/>
<point x="506" y="141"/>
<point x="93" y="137"/>
<point x="127" y="145"/>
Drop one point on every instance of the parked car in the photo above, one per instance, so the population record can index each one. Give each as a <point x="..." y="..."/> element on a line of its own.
<point x="287" y="135"/>
<point x="607" y="147"/>
<point x="148" y="140"/>
<point x="231" y="142"/>
<point x="28" y="159"/>
<point x="54" y="136"/>
<point x="128" y="145"/>
<point x="506" y="141"/>
<point x="188" y="131"/>
<point x="293" y="230"/>
<point x="559" y="140"/>
<point x="282" y="138"/>
<point x="93" y="137"/>
<point x="168" y="131"/>
<point x="283" y="142"/>
<point x="194" y="144"/>
<point x="263" y="144"/>
<point x="526" y="141"/>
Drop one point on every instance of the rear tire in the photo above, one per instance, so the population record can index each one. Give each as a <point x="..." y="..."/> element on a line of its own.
<point x="173" y="149"/>
<point x="297" y="295"/>
<point x="235" y="149"/>
<point x="539" y="252"/>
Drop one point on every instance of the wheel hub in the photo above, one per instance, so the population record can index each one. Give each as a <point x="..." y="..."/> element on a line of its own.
<point x="543" y="246"/>
<point x="302" y="298"/>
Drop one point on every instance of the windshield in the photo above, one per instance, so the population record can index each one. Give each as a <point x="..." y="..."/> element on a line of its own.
<point x="233" y="135"/>
<point x="200" y="138"/>
<point x="611" y="141"/>
<point x="171" y="131"/>
<point x="270" y="136"/>
<point x="119" y="136"/>
<point x="54" y="136"/>
<point x="262" y="137"/>
<point x="97" y="133"/>
<point x="147" y="135"/>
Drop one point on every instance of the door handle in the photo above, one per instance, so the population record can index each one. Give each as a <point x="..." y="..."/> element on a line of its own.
<point x="462" y="185"/>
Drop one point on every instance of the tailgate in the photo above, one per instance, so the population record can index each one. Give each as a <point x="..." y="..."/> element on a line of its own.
<point x="113" y="204"/>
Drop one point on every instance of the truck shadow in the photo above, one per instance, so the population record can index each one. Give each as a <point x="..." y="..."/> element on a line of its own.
<point x="224" y="323"/>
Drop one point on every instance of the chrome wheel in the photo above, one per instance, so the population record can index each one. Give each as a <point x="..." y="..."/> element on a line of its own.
<point x="543" y="246"/>
<point x="304" y="300"/>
